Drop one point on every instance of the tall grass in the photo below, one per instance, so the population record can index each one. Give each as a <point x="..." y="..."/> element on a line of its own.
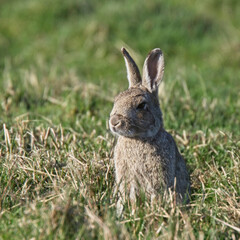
<point x="60" y="70"/>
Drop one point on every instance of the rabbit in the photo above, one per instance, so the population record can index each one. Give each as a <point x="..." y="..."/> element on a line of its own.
<point x="146" y="157"/>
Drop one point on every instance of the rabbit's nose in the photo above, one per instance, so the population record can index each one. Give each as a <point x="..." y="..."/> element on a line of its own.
<point x="115" y="120"/>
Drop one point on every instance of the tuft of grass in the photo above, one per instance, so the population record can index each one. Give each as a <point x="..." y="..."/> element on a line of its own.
<point x="60" y="70"/>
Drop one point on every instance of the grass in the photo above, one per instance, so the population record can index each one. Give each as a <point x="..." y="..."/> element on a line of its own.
<point x="60" y="70"/>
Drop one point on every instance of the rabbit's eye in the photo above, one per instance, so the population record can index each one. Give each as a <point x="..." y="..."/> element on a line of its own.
<point x="142" y="106"/>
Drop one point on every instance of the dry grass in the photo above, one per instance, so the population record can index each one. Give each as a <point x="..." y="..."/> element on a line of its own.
<point x="60" y="184"/>
<point x="60" y="70"/>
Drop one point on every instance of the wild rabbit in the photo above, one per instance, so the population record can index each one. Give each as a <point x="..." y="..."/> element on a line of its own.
<point x="146" y="157"/>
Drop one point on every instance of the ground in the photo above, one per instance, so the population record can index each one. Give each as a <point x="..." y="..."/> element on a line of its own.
<point x="60" y="69"/>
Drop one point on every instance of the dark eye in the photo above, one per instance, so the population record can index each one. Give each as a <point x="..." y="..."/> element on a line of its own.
<point x="142" y="106"/>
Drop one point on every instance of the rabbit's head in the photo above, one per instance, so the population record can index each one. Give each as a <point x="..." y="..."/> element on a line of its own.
<point x="136" y="111"/>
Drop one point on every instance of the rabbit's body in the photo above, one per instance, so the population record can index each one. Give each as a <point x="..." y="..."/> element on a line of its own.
<point x="146" y="156"/>
<point x="151" y="165"/>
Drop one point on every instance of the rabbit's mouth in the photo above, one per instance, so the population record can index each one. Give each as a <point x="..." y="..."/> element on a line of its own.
<point x="123" y="127"/>
<point x="120" y="126"/>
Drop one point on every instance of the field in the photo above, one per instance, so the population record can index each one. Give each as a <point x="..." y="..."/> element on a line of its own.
<point x="60" y="69"/>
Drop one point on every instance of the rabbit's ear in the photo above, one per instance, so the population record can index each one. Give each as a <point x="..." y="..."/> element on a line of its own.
<point x="133" y="73"/>
<point x="153" y="70"/>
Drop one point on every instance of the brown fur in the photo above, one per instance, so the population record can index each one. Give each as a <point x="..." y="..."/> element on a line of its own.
<point x="145" y="156"/>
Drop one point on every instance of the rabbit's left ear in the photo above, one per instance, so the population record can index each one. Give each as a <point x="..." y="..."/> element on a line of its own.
<point x="153" y="70"/>
<point x="133" y="73"/>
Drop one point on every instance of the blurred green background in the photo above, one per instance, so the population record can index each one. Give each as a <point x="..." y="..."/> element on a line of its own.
<point x="48" y="45"/>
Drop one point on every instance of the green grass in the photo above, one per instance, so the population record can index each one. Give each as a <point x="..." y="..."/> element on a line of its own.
<point x="60" y="68"/>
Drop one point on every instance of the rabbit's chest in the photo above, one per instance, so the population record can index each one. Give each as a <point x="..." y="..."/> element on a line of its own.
<point x="139" y="161"/>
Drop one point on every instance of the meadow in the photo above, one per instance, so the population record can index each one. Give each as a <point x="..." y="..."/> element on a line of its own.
<point x="60" y="69"/>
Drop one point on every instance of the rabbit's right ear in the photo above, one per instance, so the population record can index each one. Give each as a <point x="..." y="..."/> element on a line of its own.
<point x="133" y="73"/>
<point x="153" y="70"/>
